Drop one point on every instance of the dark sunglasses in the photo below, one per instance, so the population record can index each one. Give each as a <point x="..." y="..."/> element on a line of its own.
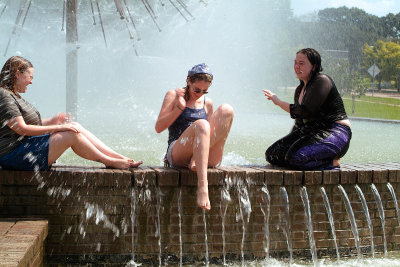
<point x="197" y="91"/>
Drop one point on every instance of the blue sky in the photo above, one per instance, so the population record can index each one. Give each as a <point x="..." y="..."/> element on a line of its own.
<point x="376" y="7"/>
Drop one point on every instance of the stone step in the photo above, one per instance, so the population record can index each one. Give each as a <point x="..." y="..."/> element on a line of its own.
<point x="21" y="241"/>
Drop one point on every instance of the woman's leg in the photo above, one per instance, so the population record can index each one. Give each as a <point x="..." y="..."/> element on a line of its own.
<point x="220" y="125"/>
<point x="276" y="153"/>
<point x="195" y="143"/>
<point x="98" y="143"/>
<point x="320" y="150"/>
<point x="61" y="141"/>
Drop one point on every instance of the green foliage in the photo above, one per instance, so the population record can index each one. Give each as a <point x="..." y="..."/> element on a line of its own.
<point x="386" y="55"/>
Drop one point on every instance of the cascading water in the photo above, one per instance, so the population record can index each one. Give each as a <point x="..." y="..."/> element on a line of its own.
<point x="330" y="218"/>
<point x="245" y="210"/>
<point x="381" y="215"/>
<point x="180" y="225"/>
<point x="225" y="201"/>
<point x="90" y="211"/>
<point x="284" y="198"/>
<point x="267" y="200"/>
<point x="365" y="207"/>
<point x="396" y="204"/>
<point x="132" y="262"/>
<point x="307" y="214"/>
<point x="352" y="220"/>
<point x="158" y="224"/>
<point x="207" y="260"/>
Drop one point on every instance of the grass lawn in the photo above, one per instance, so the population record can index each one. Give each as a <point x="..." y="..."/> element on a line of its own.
<point x="373" y="107"/>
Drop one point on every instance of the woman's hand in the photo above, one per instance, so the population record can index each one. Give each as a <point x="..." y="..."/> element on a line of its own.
<point x="59" y="118"/>
<point x="66" y="127"/>
<point x="62" y="117"/>
<point x="274" y="98"/>
<point x="180" y="98"/>
<point x="271" y="96"/>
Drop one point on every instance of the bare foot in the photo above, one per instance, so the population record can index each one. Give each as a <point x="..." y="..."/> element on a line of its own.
<point x="118" y="164"/>
<point x="192" y="165"/>
<point x="134" y="164"/>
<point x="336" y="163"/>
<point x="202" y="198"/>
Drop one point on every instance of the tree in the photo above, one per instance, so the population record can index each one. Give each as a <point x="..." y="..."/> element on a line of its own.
<point x="386" y="55"/>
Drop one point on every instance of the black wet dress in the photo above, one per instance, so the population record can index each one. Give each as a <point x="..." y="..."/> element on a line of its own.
<point x="316" y="139"/>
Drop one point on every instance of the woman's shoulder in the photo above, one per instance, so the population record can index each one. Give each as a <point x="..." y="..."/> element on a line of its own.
<point x="173" y="92"/>
<point x="322" y="78"/>
<point x="4" y="92"/>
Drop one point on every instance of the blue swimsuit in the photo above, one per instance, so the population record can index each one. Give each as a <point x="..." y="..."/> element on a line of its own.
<point x="185" y="119"/>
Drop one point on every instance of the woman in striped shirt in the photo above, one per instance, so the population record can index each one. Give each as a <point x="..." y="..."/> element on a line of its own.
<point x="28" y="142"/>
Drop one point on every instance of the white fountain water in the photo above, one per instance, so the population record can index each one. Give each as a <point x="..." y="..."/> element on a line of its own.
<point x="225" y="201"/>
<point x="284" y="199"/>
<point x="158" y="224"/>
<point x="366" y="211"/>
<point x="381" y="214"/>
<point x="245" y="210"/>
<point x="396" y="204"/>
<point x="206" y="257"/>
<point x="330" y="218"/>
<point x="132" y="262"/>
<point x="308" y="221"/>
<point x="180" y="226"/>
<point x="267" y="200"/>
<point x="352" y="220"/>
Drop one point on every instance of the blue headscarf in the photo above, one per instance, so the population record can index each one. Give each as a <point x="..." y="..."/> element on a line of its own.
<point x="200" y="68"/>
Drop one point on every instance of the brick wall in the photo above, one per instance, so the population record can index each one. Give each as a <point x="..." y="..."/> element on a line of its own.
<point x="90" y="212"/>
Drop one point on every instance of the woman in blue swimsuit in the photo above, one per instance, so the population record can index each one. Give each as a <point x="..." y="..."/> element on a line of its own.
<point x="197" y="134"/>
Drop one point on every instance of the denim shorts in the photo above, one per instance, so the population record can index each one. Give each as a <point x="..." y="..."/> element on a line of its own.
<point x="31" y="155"/>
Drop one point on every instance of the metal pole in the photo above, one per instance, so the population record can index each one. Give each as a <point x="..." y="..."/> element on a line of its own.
<point x="72" y="59"/>
<point x="133" y="23"/>
<point x="20" y="12"/>
<point x="26" y="13"/>
<point x="4" y="8"/>
<point x="101" y="23"/>
<point x="178" y="10"/>
<point x="120" y="9"/>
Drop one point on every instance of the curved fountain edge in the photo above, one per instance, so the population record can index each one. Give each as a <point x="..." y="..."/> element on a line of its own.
<point x="89" y="212"/>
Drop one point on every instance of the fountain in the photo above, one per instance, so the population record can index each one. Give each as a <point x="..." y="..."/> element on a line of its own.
<point x="89" y="208"/>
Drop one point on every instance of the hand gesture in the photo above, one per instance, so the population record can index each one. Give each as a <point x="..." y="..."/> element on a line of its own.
<point x="271" y="96"/>
<point x="180" y="98"/>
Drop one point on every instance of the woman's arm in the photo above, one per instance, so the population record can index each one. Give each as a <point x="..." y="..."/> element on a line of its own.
<point x="209" y="107"/>
<point x="275" y="99"/>
<point x="19" y="126"/>
<point x="59" y="118"/>
<point x="173" y="105"/>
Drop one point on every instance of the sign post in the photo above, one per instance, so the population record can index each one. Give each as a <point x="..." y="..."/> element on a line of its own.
<point x="373" y="71"/>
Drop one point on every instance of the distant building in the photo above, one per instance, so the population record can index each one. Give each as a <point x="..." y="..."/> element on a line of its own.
<point x="342" y="54"/>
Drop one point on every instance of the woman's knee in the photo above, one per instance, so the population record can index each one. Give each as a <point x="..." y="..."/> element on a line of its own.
<point x="226" y="111"/>
<point x="77" y="125"/>
<point x="202" y="126"/>
<point x="68" y="137"/>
